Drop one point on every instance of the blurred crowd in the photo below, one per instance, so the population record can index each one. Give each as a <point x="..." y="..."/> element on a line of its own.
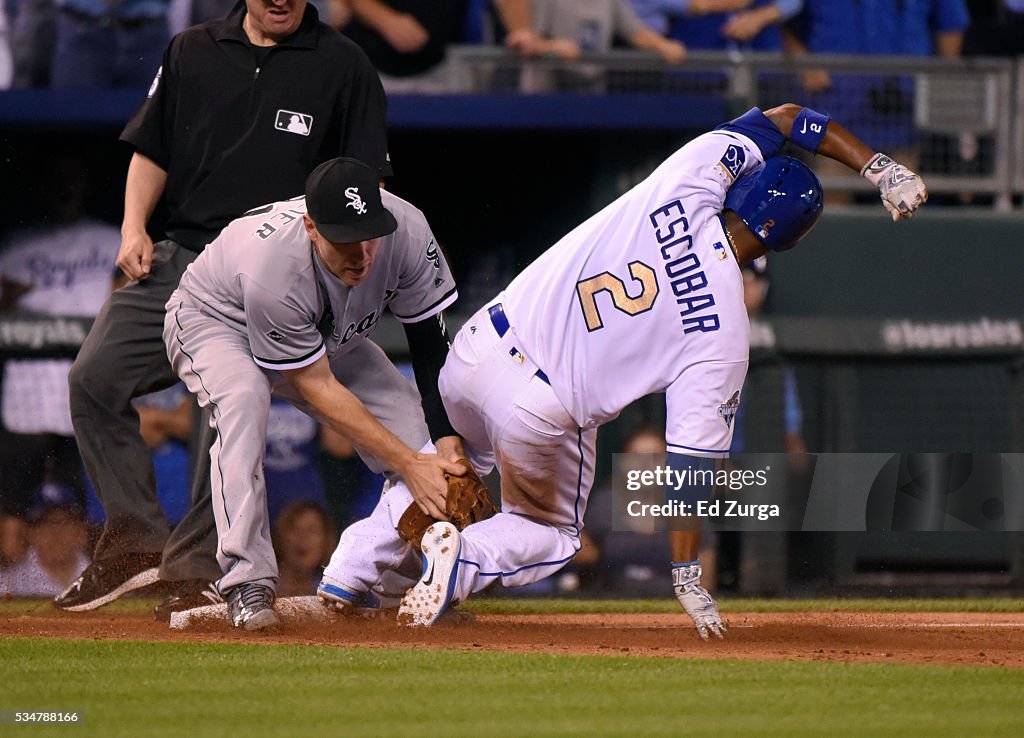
<point x="119" y="43"/>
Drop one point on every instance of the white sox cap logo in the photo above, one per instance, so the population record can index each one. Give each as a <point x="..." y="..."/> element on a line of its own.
<point x="355" y="201"/>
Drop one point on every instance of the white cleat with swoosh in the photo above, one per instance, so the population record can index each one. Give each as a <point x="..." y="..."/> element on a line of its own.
<point x="427" y="600"/>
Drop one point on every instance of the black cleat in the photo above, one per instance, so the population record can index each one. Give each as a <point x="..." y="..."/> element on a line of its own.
<point x="106" y="580"/>
<point x="186" y="595"/>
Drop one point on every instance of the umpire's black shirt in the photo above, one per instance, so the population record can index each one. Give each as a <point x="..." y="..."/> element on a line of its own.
<point x="237" y="126"/>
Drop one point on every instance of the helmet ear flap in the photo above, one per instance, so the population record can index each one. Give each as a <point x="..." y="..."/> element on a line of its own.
<point x="779" y="203"/>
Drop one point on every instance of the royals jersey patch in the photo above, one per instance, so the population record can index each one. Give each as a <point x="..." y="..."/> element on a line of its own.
<point x="732" y="161"/>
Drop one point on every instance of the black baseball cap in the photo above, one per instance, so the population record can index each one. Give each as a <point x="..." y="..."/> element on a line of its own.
<point x="343" y="199"/>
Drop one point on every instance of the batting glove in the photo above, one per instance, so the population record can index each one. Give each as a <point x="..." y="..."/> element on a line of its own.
<point x="698" y="604"/>
<point x="903" y="191"/>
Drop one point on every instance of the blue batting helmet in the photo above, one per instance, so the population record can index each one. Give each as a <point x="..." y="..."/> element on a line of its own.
<point x="780" y="202"/>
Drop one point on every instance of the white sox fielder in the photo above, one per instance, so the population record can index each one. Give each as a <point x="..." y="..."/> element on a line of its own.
<point x="284" y="300"/>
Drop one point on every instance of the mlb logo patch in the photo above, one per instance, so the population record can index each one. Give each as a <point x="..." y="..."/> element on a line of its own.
<point x="292" y="122"/>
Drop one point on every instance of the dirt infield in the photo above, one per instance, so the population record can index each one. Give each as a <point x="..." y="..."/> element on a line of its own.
<point x="976" y="639"/>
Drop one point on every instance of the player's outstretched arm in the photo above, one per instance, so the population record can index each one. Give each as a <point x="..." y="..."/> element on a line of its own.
<point x="902" y="191"/>
<point x="423" y="473"/>
<point x="686" y="571"/>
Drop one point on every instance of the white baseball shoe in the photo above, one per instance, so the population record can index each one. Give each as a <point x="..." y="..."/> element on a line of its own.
<point x="427" y="600"/>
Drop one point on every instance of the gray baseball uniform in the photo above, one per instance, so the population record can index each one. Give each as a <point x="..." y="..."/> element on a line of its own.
<point x="258" y="301"/>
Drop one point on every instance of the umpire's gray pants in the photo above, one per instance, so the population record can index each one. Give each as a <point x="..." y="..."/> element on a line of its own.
<point x="215" y="361"/>
<point x="124" y="357"/>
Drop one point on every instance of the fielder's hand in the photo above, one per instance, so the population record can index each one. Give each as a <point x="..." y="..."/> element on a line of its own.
<point x="425" y="477"/>
<point x="698" y="604"/>
<point x="903" y="191"/>
<point x="468" y="501"/>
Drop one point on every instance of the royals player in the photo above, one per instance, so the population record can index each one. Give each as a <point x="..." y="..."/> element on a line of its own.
<point x="645" y="296"/>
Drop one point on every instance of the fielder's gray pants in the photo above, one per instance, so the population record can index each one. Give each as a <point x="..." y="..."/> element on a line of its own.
<point x="215" y="361"/>
<point x="124" y="357"/>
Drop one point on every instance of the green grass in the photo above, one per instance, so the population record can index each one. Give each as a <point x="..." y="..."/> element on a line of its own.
<point x="541" y="606"/>
<point x="194" y="690"/>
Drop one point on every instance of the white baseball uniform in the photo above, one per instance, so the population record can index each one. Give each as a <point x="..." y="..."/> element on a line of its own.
<point x="645" y="296"/>
<point x="258" y="301"/>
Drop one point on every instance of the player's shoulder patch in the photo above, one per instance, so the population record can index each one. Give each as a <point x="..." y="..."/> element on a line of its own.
<point x="732" y="161"/>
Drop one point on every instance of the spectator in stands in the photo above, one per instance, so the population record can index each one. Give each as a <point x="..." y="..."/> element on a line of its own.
<point x="593" y="26"/>
<point x="60" y="267"/>
<point x="720" y="24"/>
<point x="56" y="546"/>
<point x="303" y="541"/>
<point x="109" y="43"/>
<point x="510" y="22"/>
<point x="572" y="28"/>
<point x="879" y="27"/>
<point x="516" y="18"/>
<point x="6" y="62"/>
<point x="32" y="37"/>
<point x="1000" y="33"/>
<point x="406" y="41"/>
<point x="878" y="109"/>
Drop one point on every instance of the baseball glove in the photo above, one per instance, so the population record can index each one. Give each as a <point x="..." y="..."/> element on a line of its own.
<point x="468" y="502"/>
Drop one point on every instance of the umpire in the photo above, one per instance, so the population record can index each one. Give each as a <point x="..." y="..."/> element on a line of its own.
<point x="242" y="110"/>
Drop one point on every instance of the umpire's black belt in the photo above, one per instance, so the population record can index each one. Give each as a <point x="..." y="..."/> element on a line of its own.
<point x="500" y="322"/>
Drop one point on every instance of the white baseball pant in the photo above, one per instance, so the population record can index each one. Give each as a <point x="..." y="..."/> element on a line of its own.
<point x="508" y="415"/>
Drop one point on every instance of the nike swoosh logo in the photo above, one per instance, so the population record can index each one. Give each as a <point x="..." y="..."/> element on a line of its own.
<point x="804" y="129"/>
<point x="429" y="579"/>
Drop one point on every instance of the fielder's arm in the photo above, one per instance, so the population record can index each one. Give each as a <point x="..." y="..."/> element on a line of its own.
<point x="428" y="345"/>
<point x="142" y="190"/>
<point x="423" y="473"/>
<point x="902" y="191"/>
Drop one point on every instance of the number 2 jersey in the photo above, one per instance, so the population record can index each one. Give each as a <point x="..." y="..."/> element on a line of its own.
<point x="646" y="296"/>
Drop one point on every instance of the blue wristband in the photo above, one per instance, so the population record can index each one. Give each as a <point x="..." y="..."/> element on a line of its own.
<point x="809" y="129"/>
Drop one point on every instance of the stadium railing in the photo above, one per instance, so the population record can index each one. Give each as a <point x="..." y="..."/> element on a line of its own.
<point x="960" y="121"/>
